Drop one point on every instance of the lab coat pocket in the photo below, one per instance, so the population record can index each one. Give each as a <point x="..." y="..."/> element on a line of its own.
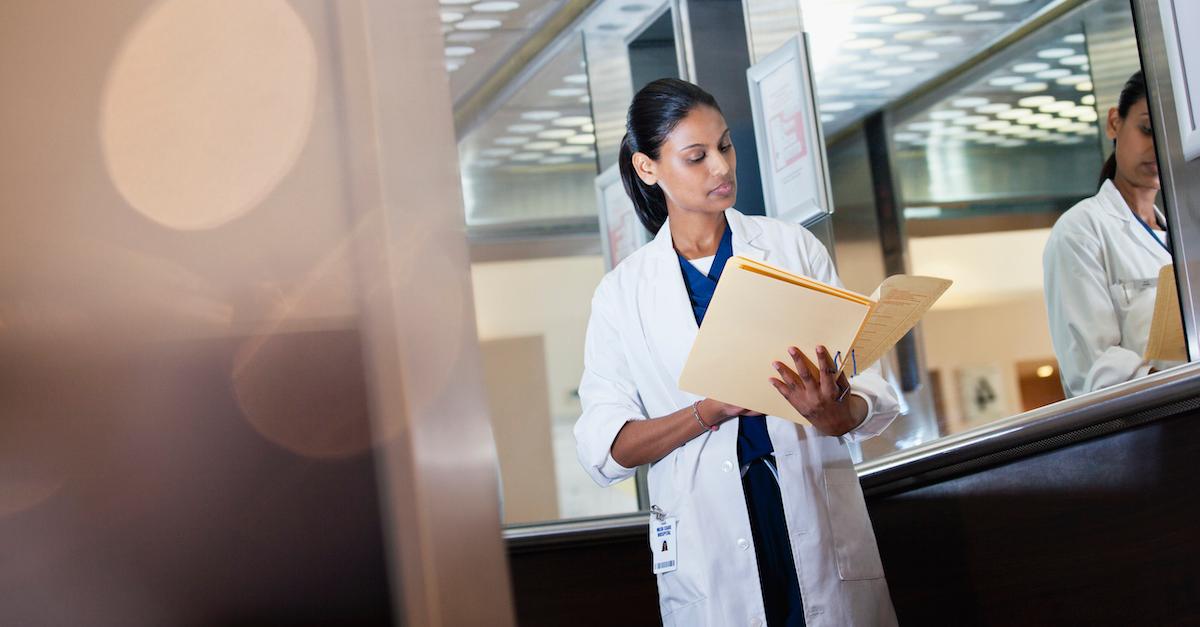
<point x="1126" y="292"/>
<point x="853" y="539"/>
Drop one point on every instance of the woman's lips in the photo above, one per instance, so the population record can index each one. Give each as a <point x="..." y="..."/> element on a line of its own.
<point x="723" y="190"/>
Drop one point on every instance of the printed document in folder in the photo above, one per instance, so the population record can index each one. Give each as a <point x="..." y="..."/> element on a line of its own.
<point x="758" y="311"/>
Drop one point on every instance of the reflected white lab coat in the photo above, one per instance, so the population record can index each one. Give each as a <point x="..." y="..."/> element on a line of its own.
<point x="639" y="335"/>
<point x="1101" y="275"/>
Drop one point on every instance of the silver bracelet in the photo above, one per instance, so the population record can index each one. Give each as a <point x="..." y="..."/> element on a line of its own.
<point x="696" y="413"/>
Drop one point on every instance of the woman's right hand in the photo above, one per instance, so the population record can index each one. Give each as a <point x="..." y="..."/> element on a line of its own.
<point x="722" y="411"/>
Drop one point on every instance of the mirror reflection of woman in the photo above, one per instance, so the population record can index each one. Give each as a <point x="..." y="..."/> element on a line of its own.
<point x="1102" y="261"/>
<point x="769" y="518"/>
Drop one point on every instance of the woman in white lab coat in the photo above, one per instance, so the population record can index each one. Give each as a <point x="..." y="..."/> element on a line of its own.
<point x="1102" y="261"/>
<point x="756" y="520"/>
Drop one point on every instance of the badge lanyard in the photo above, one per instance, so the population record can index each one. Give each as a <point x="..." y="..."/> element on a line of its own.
<point x="1165" y="242"/>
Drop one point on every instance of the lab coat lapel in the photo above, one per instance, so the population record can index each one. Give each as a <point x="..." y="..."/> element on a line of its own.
<point x="745" y="235"/>
<point x="1115" y="204"/>
<point x="666" y="311"/>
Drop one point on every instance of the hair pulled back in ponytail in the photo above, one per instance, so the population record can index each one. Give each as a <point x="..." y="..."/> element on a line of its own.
<point x="1133" y="92"/>
<point x="655" y="111"/>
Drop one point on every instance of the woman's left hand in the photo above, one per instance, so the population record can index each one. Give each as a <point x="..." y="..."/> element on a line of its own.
<point x="817" y="399"/>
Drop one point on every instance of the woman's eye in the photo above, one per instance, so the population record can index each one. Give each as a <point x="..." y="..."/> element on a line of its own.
<point x="1147" y="130"/>
<point x="726" y="147"/>
<point x="697" y="159"/>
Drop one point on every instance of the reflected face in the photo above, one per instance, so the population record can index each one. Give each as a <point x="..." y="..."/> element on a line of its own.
<point x="696" y="166"/>
<point x="1136" y="163"/>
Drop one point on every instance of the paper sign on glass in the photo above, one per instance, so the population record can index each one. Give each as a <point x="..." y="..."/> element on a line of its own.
<point x="758" y="311"/>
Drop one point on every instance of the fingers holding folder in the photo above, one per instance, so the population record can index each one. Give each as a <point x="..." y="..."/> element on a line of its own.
<point x="817" y="391"/>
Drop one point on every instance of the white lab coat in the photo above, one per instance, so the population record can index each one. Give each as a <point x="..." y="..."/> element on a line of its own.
<point x="1101" y="275"/>
<point x="641" y="330"/>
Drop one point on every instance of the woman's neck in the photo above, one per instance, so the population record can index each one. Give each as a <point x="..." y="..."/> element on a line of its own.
<point x="696" y="235"/>
<point x="1139" y="199"/>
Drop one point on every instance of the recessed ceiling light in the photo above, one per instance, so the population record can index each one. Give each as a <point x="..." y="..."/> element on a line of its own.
<point x="995" y="107"/>
<point x="1074" y="38"/>
<point x="587" y="128"/>
<point x="575" y="79"/>
<point x="1013" y="143"/>
<point x="584" y="99"/>
<point x="571" y="150"/>
<point x="496" y="152"/>
<point x="478" y="24"/>
<point x="1035" y="101"/>
<point x="827" y="118"/>
<point x="903" y="18"/>
<point x="483" y="163"/>
<point x="919" y="55"/>
<point x="945" y="40"/>
<point x="1085" y="86"/>
<point x="970" y="102"/>
<point x="971" y="120"/>
<point x="891" y="50"/>
<point x="836" y="107"/>
<point x="863" y="43"/>
<point x="1015" y="129"/>
<point x="526" y="156"/>
<point x="956" y="9"/>
<point x="1030" y="68"/>
<point x="459" y="51"/>
<point x="449" y="17"/>
<point x="556" y="133"/>
<point x="539" y="116"/>
<point x="1057" y="72"/>
<point x="555" y="160"/>
<point x="877" y="10"/>
<point x="496" y="6"/>
<point x="984" y="16"/>
<point x="1037" y="118"/>
<point x="541" y="145"/>
<point x="924" y="126"/>
<point x="1073" y="79"/>
<point x="898" y="70"/>
<point x="1014" y="114"/>
<point x="1006" y="81"/>
<point x="1088" y="117"/>
<point x="1079" y="59"/>
<point x="927" y="4"/>
<point x="525" y="128"/>
<point x="905" y="137"/>
<point x="1088" y="100"/>
<point x="1057" y="106"/>
<point x="582" y="139"/>
<point x="567" y="92"/>
<point x="1055" y="53"/>
<point x="1030" y="87"/>
<point x="572" y="120"/>
<point x="913" y="35"/>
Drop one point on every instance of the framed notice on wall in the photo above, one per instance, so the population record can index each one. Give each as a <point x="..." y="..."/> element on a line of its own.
<point x="1179" y="19"/>
<point x="621" y="232"/>
<point x="791" y="147"/>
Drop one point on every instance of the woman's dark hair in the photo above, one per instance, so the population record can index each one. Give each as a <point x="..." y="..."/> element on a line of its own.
<point x="655" y="111"/>
<point x="1133" y="92"/>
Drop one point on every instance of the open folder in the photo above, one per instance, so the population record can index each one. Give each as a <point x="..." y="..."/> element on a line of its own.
<point x="758" y="311"/>
<point x="1166" y="341"/>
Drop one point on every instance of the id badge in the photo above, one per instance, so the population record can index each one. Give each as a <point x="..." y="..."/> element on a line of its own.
<point x="662" y="544"/>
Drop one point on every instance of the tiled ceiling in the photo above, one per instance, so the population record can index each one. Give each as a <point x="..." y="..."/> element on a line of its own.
<point x="1044" y="96"/>
<point x="480" y="34"/>
<point x="866" y="53"/>
<point x="547" y="123"/>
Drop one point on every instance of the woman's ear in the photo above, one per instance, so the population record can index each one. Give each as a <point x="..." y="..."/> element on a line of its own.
<point x="646" y="169"/>
<point x="1113" y="127"/>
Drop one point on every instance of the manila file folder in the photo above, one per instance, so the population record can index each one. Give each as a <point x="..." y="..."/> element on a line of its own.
<point x="758" y="311"/>
<point x="1166" y="341"/>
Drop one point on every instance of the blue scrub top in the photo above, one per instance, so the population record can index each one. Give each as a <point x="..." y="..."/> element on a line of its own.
<point x="753" y="440"/>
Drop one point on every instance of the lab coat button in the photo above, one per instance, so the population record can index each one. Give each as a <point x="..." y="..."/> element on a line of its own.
<point x="743" y="544"/>
<point x="727" y="466"/>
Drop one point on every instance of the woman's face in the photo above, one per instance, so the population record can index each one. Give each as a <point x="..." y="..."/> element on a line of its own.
<point x="1136" y="163"/>
<point x="696" y="166"/>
